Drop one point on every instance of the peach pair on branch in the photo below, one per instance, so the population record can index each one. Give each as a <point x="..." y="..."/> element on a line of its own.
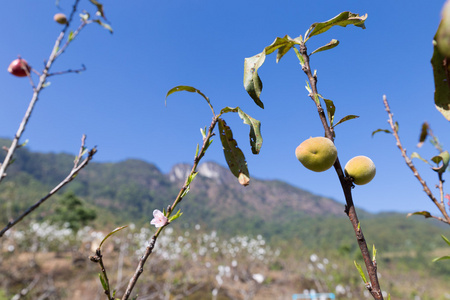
<point x="318" y="154"/>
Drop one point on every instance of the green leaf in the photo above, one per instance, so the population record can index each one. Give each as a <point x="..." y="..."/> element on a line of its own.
<point x="23" y="144"/>
<point x="103" y="282"/>
<point x="435" y="142"/>
<point x="299" y="56"/>
<point x="186" y="191"/>
<point x="443" y="33"/>
<point x="420" y="213"/>
<point x="417" y="155"/>
<point x="196" y="150"/>
<point x="361" y="273"/>
<point x="283" y="45"/>
<point x="328" y="46"/>
<point x="111" y="233"/>
<point x="308" y="88"/>
<point x="233" y="155"/>
<point x="381" y="130"/>
<point x="423" y="134"/>
<point x="330" y="110"/>
<point x="188" y="184"/>
<point x="176" y="216"/>
<point x="346" y="118"/>
<point x="316" y="99"/>
<point x="187" y="89"/>
<point x="374" y="252"/>
<point x="70" y="38"/>
<point x="441" y="74"/>
<point x="203" y="132"/>
<point x="255" y="128"/>
<point x="441" y="258"/>
<point x="445" y="239"/>
<point x="191" y="178"/>
<point x="443" y="158"/>
<point x="343" y="19"/>
<point x="208" y="144"/>
<point x="252" y="82"/>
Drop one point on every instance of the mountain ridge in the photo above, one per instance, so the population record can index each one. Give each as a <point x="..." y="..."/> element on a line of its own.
<point x="129" y="191"/>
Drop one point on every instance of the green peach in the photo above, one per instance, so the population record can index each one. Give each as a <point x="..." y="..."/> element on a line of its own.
<point x="317" y="154"/>
<point x="361" y="169"/>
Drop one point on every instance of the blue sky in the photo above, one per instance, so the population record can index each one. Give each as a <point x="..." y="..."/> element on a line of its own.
<point x="119" y="101"/>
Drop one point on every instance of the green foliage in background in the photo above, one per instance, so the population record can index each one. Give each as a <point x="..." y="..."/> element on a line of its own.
<point x="128" y="191"/>
<point x="72" y="212"/>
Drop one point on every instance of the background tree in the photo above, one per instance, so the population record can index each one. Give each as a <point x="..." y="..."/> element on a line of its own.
<point x="72" y="212"/>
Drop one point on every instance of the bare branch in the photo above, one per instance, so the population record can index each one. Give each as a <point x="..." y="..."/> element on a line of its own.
<point x="83" y="68"/>
<point x="73" y="173"/>
<point x="410" y="164"/>
<point x="36" y="91"/>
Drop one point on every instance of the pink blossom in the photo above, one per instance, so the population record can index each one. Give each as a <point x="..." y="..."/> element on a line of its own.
<point x="448" y="198"/>
<point x="159" y="219"/>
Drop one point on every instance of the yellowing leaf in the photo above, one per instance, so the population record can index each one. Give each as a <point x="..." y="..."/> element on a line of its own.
<point x="420" y="213"/>
<point x="343" y="19"/>
<point x="328" y="46"/>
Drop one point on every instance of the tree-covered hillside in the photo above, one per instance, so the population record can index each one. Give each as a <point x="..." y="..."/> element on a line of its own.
<point x="129" y="191"/>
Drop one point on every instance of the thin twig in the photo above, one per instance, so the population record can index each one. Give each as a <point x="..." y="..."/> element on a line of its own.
<point x="410" y="164"/>
<point x="149" y="249"/>
<point x="75" y="170"/>
<point x="83" y="68"/>
<point x="374" y="287"/>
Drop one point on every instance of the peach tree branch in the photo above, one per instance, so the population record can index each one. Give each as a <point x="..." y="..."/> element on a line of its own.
<point x="78" y="166"/>
<point x="253" y="85"/>
<point x="183" y="191"/>
<point x="56" y="52"/>
<point x="440" y="205"/>
<point x="36" y="91"/>
<point x="346" y="184"/>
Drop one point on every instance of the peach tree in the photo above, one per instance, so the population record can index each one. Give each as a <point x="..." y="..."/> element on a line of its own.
<point x="439" y="163"/>
<point x="21" y="68"/>
<point x="320" y="155"/>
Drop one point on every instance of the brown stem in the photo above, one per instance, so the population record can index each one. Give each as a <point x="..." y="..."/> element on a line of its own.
<point x="374" y="287"/>
<point x="105" y="276"/>
<point x="98" y="258"/>
<point x="410" y="164"/>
